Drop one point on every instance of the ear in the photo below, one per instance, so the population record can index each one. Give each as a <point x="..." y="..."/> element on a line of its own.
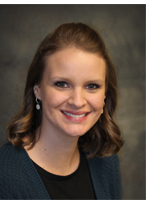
<point x="104" y="97"/>
<point x="37" y="91"/>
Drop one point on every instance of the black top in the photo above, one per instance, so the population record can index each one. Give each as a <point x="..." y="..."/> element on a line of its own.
<point x="77" y="185"/>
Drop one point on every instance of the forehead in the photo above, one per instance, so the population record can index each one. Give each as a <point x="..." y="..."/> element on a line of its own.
<point x="75" y="62"/>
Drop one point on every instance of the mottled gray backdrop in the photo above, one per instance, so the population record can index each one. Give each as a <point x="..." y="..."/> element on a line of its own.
<point x="22" y="27"/>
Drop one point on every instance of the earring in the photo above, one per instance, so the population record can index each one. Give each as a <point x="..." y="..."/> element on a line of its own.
<point x="37" y="105"/>
<point x="103" y="107"/>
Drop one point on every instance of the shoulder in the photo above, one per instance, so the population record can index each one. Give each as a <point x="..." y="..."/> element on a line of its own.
<point x="6" y="152"/>
<point x="7" y="148"/>
<point x="9" y="154"/>
<point x="13" y="162"/>
<point x="18" y="177"/>
<point x="106" y="166"/>
<point x="10" y="159"/>
<point x="105" y="173"/>
<point x="105" y="162"/>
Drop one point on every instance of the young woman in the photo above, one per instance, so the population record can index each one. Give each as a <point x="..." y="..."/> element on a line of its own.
<point x="63" y="143"/>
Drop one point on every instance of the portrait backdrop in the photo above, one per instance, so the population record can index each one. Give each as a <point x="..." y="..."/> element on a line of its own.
<point x="123" y="28"/>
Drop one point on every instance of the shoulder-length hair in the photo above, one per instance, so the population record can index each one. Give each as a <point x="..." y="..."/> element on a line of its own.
<point x="104" y="138"/>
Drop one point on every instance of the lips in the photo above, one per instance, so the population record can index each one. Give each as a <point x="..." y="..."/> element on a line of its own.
<point x="75" y="116"/>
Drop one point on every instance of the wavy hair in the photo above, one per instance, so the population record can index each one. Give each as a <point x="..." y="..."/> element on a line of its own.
<point x="104" y="138"/>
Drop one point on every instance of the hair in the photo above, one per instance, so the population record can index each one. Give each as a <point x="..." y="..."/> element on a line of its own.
<point x="104" y="138"/>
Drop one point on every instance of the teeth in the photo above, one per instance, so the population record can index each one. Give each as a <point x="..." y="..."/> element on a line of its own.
<point x="76" y="116"/>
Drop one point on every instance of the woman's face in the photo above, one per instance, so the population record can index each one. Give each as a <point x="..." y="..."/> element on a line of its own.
<point x="72" y="91"/>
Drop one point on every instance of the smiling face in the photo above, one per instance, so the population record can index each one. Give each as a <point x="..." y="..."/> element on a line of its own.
<point x="72" y="91"/>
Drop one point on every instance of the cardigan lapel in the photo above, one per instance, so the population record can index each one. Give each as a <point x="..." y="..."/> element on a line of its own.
<point x="98" y="171"/>
<point x="34" y="176"/>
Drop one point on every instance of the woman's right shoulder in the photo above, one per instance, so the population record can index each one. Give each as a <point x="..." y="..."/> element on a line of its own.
<point x="9" y="155"/>
<point x="7" y="145"/>
<point x="18" y="177"/>
<point x="6" y="148"/>
<point x="13" y="163"/>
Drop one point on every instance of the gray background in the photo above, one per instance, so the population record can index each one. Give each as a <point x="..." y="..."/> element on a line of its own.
<point x="23" y="27"/>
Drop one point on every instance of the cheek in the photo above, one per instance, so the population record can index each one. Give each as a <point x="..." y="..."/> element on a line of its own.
<point x="53" y="99"/>
<point x="97" y="102"/>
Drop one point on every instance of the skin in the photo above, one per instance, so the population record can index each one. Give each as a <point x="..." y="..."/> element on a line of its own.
<point x="74" y="82"/>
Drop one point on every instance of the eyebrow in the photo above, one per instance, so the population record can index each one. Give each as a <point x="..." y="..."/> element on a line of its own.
<point x="68" y="80"/>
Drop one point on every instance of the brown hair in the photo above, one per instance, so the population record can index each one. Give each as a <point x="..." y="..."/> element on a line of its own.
<point x="104" y="138"/>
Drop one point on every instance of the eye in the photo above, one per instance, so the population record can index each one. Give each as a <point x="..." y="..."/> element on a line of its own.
<point x="61" y="84"/>
<point x="92" y="86"/>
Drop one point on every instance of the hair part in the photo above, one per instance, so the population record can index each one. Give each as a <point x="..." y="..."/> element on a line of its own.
<point x="104" y="138"/>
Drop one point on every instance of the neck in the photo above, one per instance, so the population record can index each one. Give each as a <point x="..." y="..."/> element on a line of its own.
<point x="56" y="153"/>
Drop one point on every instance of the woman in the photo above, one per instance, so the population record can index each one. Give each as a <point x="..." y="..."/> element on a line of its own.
<point x="63" y="142"/>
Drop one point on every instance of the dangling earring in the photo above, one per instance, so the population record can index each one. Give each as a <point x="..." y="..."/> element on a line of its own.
<point x="37" y="105"/>
<point x="103" y="107"/>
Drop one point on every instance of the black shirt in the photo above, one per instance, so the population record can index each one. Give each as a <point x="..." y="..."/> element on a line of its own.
<point x="77" y="185"/>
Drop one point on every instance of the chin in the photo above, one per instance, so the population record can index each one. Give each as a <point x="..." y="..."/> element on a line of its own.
<point x="76" y="133"/>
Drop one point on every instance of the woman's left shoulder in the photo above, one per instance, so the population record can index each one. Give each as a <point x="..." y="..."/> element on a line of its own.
<point x="105" y="161"/>
<point x="110" y="166"/>
<point x="111" y="160"/>
<point x="105" y="173"/>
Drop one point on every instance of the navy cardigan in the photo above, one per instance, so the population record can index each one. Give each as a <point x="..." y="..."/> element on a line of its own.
<point x="20" y="180"/>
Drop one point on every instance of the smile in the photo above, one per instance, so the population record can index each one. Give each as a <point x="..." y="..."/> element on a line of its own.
<point x="75" y="116"/>
<point x="72" y="115"/>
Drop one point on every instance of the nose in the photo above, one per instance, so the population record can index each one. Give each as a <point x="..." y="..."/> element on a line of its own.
<point x="77" y="98"/>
